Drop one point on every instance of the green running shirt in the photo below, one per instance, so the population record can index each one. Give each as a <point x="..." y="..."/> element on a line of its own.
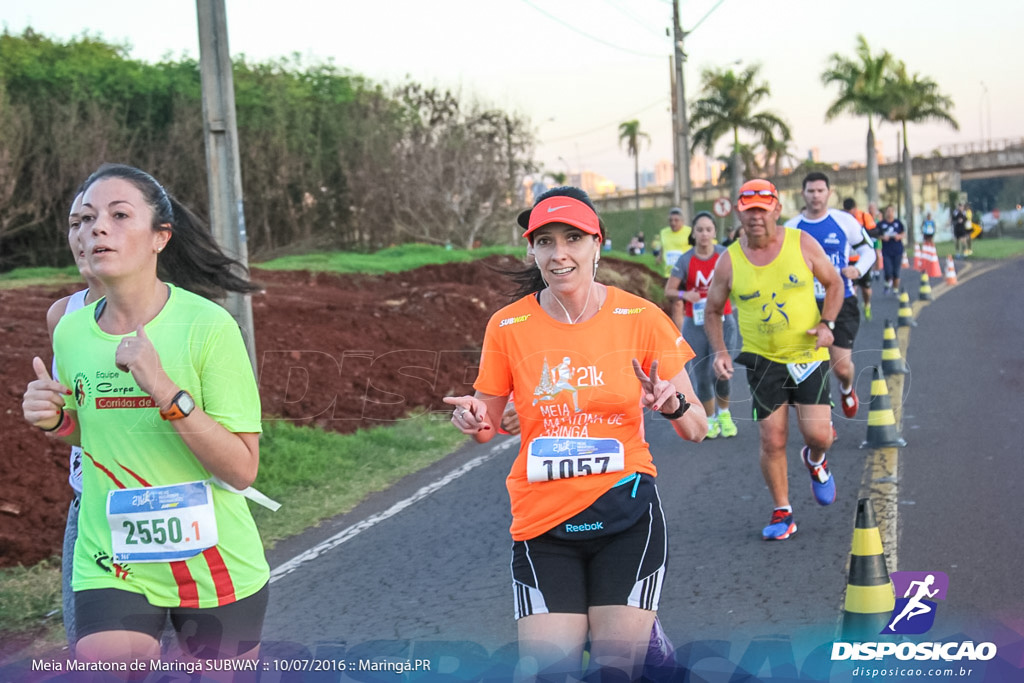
<point x="126" y="444"/>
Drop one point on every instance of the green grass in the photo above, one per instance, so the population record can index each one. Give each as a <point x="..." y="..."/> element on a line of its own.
<point x="28" y="277"/>
<point x="390" y="260"/>
<point x="30" y="596"/>
<point x="987" y="248"/>
<point x="316" y="474"/>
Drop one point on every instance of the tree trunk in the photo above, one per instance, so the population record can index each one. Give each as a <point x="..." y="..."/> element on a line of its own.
<point x="872" y="188"/>
<point x="908" y="182"/>
<point x="636" y="185"/>
<point x="737" y="178"/>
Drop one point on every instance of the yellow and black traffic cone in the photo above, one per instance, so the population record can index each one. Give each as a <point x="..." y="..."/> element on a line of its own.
<point x="906" y="313"/>
<point x="924" y="292"/>
<point x="870" y="597"/>
<point x="881" y="418"/>
<point x="892" y="360"/>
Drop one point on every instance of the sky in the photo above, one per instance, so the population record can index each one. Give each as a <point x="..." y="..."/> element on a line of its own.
<point x="578" y="68"/>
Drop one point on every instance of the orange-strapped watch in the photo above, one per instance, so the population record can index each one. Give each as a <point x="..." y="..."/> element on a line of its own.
<point x="182" y="405"/>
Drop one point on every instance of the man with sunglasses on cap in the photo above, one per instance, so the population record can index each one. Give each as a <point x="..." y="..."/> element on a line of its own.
<point x="770" y="273"/>
<point x="841" y="236"/>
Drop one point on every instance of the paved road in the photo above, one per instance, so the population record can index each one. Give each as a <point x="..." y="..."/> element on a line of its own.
<point x="433" y="577"/>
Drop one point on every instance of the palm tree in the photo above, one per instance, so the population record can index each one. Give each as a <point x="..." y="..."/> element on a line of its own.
<point x="914" y="99"/>
<point x="727" y="106"/>
<point x="862" y="92"/>
<point x="630" y="133"/>
<point x="776" y="151"/>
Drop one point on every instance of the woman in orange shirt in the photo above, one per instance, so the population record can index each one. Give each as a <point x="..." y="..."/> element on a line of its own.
<point x="584" y="361"/>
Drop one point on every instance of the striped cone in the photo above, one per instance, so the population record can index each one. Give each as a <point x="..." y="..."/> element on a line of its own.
<point x="905" y="264"/>
<point x="881" y="418"/>
<point x="870" y="597"/>
<point x="918" y="257"/>
<point x="950" y="271"/>
<point x="932" y="267"/>
<point x="906" y="313"/>
<point x="892" y="360"/>
<point x="924" y="292"/>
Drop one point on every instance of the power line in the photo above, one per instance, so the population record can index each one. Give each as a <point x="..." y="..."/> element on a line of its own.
<point x="591" y="37"/>
<point x="639" y="22"/>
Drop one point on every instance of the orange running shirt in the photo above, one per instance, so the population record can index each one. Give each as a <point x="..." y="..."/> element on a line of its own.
<point x="575" y="381"/>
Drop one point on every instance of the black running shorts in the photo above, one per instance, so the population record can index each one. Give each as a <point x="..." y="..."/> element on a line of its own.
<point x="847" y="323"/>
<point x="213" y="632"/>
<point x="771" y="385"/>
<point x="555" y="575"/>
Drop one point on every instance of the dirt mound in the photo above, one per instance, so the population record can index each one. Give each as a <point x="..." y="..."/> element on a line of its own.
<point x="341" y="351"/>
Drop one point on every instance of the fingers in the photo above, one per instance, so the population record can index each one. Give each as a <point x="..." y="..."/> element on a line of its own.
<point x="44" y="382"/>
<point x="654" y="372"/>
<point x="638" y="370"/>
<point x="470" y="414"/>
<point x="40" y="369"/>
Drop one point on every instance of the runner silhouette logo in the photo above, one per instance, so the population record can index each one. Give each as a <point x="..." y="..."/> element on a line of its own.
<point x="914" y="612"/>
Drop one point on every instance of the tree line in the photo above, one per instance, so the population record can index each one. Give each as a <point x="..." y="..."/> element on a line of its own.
<point x="330" y="160"/>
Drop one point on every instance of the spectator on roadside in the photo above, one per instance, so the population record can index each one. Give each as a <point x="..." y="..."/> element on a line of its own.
<point x="928" y="229"/>
<point x="960" y="230"/>
<point x="637" y="245"/>
<point x="769" y="275"/>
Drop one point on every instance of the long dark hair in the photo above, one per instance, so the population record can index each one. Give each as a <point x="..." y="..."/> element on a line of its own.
<point x="529" y="280"/>
<point x="192" y="259"/>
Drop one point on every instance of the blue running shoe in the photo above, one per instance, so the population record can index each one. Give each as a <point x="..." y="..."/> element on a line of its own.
<point x="823" y="484"/>
<point x="781" y="528"/>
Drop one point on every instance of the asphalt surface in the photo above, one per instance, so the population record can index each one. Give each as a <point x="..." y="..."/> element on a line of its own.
<point x="433" y="578"/>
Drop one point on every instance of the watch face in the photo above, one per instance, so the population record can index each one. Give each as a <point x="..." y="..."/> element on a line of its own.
<point x="186" y="404"/>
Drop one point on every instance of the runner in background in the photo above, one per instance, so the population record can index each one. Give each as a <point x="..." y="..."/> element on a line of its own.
<point x="675" y="239"/>
<point x="689" y="282"/>
<point x="589" y="542"/>
<point x="867" y="222"/>
<point x="769" y="274"/>
<point x="840" y="235"/>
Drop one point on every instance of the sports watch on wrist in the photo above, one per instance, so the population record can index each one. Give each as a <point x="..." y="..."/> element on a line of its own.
<point x="830" y="324"/>
<point x="678" y="413"/>
<point x="182" y="406"/>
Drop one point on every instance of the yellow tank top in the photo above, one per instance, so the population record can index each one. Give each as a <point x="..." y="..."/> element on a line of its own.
<point x="776" y="303"/>
<point x="675" y="245"/>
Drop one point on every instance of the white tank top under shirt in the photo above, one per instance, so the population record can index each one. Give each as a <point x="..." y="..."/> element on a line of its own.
<point x="75" y="302"/>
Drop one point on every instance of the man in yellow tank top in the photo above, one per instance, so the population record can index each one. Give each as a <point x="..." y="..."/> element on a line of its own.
<point x="675" y="241"/>
<point x="769" y="273"/>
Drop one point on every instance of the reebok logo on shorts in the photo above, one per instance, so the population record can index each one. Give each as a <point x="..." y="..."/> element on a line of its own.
<point x="573" y="528"/>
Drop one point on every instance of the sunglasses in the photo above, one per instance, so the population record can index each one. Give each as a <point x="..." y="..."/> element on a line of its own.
<point x="758" y="193"/>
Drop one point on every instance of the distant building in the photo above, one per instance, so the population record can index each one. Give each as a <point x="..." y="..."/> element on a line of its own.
<point x="664" y="173"/>
<point x="592" y="183"/>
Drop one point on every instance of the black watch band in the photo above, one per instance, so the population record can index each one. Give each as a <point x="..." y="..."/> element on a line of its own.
<point x="683" y="407"/>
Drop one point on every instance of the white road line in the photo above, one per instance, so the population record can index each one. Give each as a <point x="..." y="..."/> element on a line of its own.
<point x="351" y="532"/>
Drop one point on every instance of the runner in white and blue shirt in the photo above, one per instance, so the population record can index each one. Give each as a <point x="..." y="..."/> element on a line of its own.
<point x="839" y="234"/>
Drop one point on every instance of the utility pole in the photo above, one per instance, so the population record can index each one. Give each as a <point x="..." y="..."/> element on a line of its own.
<point x="683" y="190"/>
<point x="224" y="173"/>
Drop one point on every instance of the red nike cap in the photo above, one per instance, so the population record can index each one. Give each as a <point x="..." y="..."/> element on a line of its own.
<point x="559" y="209"/>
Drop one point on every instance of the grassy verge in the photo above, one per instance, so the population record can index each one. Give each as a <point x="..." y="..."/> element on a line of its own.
<point x="390" y="260"/>
<point x="988" y="248"/>
<point x="28" y="277"/>
<point x="313" y="473"/>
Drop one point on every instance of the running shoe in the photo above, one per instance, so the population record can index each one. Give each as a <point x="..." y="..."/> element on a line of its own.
<point x="726" y="423"/>
<point x="867" y="312"/>
<point x="850" y="403"/>
<point x="781" y="527"/>
<point x="714" y="428"/>
<point x="823" y="485"/>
